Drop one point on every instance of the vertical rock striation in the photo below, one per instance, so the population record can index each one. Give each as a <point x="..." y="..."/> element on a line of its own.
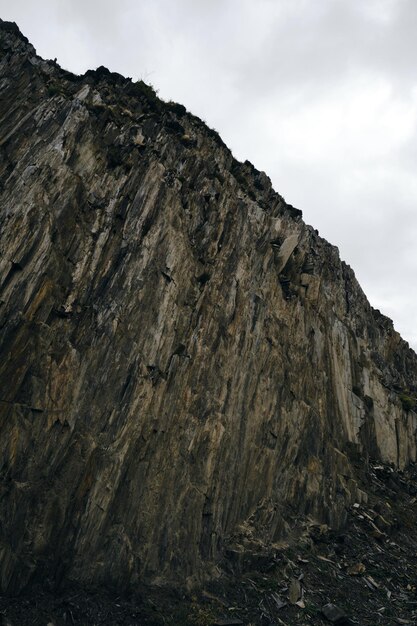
<point x="183" y="360"/>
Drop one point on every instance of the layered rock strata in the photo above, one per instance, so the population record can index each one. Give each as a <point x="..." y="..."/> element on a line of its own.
<point x="185" y="364"/>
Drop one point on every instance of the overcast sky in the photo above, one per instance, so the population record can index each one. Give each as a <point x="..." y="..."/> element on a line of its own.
<point x="320" y="94"/>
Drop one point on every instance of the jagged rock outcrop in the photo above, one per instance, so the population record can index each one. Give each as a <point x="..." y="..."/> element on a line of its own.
<point x="185" y="364"/>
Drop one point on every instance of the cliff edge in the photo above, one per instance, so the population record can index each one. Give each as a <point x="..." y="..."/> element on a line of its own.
<point x="187" y="369"/>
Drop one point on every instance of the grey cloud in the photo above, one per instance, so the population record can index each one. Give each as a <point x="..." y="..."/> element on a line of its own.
<point x="321" y="95"/>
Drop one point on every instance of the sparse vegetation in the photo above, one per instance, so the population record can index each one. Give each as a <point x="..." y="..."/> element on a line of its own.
<point x="409" y="403"/>
<point x="141" y="89"/>
<point x="54" y="90"/>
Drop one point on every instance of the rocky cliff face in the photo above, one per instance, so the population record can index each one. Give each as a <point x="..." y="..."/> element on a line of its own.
<point x="186" y="366"/>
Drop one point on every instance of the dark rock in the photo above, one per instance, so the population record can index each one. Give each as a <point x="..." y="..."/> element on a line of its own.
<point x="174" y="127"/>
<point x="334" y="614"/>
<point x="178" y="109"/>
<point x="295" y="213"/>
<point x="227" y="622"/>
<point x="12" y="27"/>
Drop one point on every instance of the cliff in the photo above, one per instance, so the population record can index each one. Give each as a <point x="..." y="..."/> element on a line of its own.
<point x="187" y="369"/>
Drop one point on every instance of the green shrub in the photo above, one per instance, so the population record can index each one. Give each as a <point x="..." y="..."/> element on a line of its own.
<point x="141" y="89"/>
<point x="409" y="403"/>
<point x="54" y="90"/>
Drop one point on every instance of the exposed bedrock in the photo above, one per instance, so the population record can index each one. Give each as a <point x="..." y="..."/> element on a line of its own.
<point x="183" y="360"/>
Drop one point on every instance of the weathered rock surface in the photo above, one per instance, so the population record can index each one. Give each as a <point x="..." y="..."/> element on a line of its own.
<point x="184" y="362"/>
